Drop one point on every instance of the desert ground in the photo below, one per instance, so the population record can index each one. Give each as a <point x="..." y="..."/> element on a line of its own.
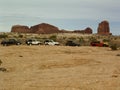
<point x="59" y="68"/>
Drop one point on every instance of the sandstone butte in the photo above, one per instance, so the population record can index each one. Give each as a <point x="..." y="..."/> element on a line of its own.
<point x="103" y="28"/>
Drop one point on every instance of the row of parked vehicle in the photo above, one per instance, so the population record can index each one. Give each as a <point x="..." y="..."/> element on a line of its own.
<point x="49" y="42"/>
<point x="28" y="42"/>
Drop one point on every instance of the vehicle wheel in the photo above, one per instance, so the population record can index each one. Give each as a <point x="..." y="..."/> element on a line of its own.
<point x="104" y="45"/>
<point x="4" y="44"/>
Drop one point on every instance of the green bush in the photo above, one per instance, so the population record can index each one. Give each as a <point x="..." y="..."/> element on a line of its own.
<point x="53" y="37"/>
<point x="20" y="36"/>
<point x="106" y="40"/>
<point x="3" y="36"/>
<point x="81" y="41"/>
<point x="92" y="39"/>
<point x="72" y="38"/>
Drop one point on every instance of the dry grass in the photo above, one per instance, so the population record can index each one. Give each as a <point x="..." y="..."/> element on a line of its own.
<point x="82" y="39"/>
<point x="59" y="68"/>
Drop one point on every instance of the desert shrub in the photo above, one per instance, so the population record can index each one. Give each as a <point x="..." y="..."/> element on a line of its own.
<point x="106" y="40"/>
<point x="81" y="41"/>
<point x="53" y="37"/>
<point x="20" y="36"/>
<point x="72" y="38"/>
<point x="15" y="36"/>
<point x="116" y="42"/>
<point x="113" y="47"/>
<point x="118" y="55"/>
<point x="0" y="62"/>
<point x="3" y="36"/>
<point x="3" y="69"/>
<point x="92" y="39"/>
<point x="64" y="38"/>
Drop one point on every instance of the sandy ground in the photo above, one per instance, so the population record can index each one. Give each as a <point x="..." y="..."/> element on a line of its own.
<point x="59" y="68"/>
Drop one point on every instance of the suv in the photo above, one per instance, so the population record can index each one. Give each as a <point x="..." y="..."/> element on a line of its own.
<point x="10" y="42"/>
<point x="71" y="43"/>
<point x="51" y="42"/>
<point x="98" y="43"/>
<point x="33" y="42"/>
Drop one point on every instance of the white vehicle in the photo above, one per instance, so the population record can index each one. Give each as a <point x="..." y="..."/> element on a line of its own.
<point x="51" y="42"/>
<point x="33" y="42"/>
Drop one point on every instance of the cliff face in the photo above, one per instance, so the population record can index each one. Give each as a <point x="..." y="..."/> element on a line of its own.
<point x="20" y="29"/>
<point x="103" y="28"/>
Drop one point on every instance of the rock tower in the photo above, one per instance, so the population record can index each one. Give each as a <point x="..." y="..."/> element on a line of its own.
<point x="103" y="28"/>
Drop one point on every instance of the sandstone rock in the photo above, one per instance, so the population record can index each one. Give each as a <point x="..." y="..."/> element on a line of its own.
<point x="65" y="31"/>
<point x="44" y="29"/>
<point x="86" y="31"/>
<point x="103" y="28"/>
<point x="20" y="29"/>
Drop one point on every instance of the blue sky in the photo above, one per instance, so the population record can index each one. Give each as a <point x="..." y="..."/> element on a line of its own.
<point x="65" y="14"/>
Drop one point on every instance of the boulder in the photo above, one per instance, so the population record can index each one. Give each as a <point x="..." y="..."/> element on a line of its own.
<point x="103" y="28"/>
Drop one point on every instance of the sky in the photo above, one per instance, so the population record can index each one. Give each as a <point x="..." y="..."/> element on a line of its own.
<point x="65" y="14"/>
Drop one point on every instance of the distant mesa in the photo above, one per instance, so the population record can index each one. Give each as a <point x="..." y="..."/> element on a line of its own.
<point x="20" y="29"/>
<point x="44" y="28"/>
<point x="103" y="28"/>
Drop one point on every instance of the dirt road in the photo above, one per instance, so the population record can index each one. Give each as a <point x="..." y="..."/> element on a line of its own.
<point x="59" y="68"/>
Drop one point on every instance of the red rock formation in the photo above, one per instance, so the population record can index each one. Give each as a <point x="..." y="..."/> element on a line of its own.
<point x="20" y="29"/>
<point x="86" y="31"/>
<point x="44" y="29"/>
<point x="103" y="28"/>
<point x="65" y="31"/>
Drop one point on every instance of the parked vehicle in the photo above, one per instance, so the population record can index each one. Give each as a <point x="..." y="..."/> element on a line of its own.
<point x="33" y="42"/>
<point x="71" y="43"/>
<point x="10" y="42"/>
<point x="51" y="42"/>
<point x="98" y="43"/>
